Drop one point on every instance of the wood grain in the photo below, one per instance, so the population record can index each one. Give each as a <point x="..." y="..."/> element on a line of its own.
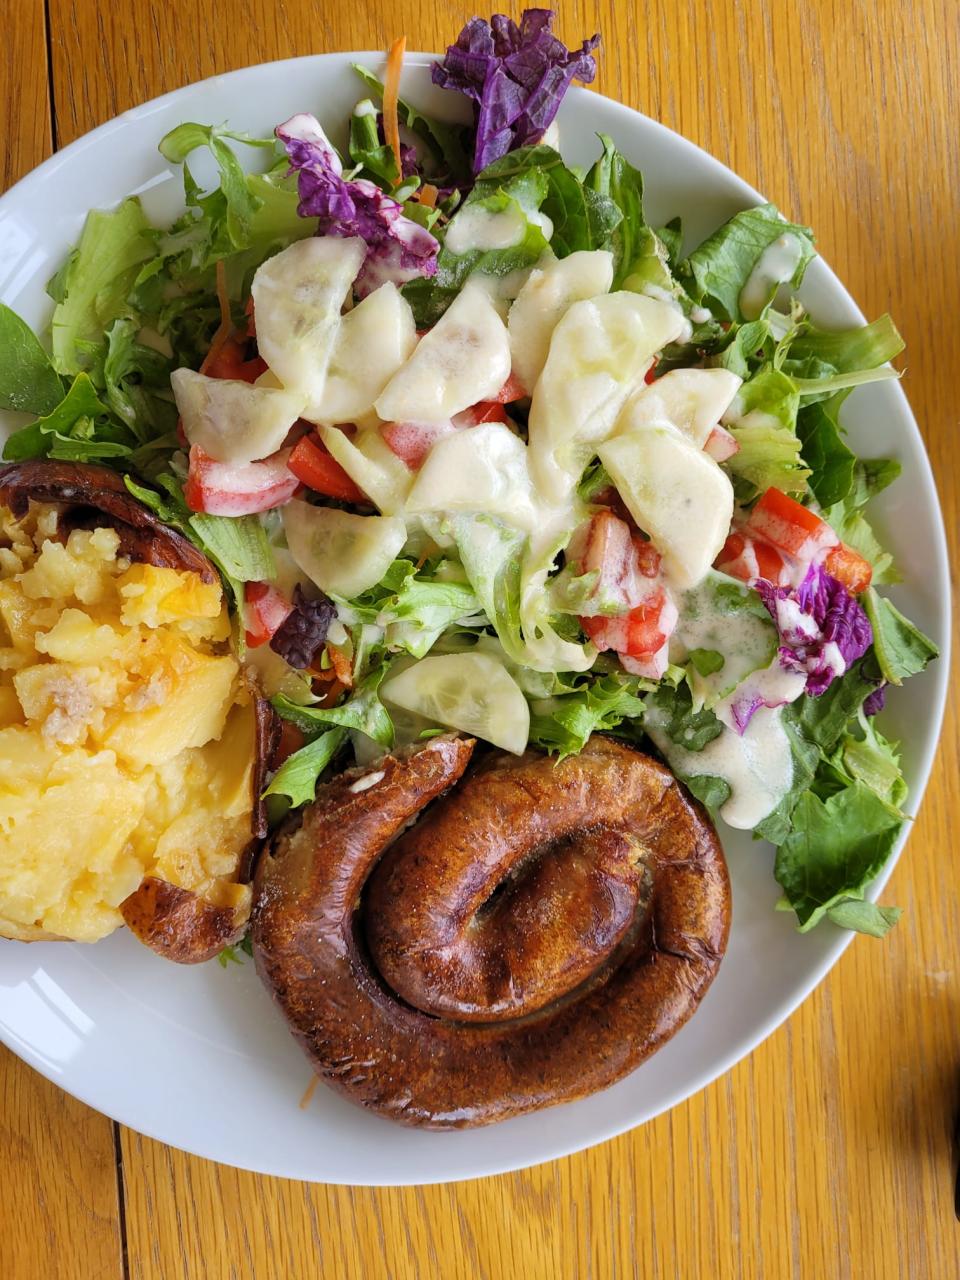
<point x="24" y="90"/>
<point x="59" y="1212"/>
<point x="827" y="1152"/>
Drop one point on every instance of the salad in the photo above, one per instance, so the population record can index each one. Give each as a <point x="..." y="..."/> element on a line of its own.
<point x="473" y="446"/>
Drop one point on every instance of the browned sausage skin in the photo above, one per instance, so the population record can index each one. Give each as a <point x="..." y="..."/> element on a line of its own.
<point x="604" y="850"/>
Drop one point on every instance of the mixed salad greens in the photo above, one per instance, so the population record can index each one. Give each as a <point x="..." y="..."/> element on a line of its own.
<point x="475" y="446"/>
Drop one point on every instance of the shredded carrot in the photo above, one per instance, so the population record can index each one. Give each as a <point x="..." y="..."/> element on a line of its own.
<point x="427" y="195"/>
<point x="225" y="327"/>
<point x="341" y="665"/>
<point x="391" y="96"/>
<point x="308" y="1093"/>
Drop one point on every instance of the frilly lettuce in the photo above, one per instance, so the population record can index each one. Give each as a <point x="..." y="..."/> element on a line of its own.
<point x="717" y="271"/>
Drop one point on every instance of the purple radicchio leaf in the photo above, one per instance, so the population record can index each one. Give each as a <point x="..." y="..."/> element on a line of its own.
<point x="874" y="702"/>
<point x="303" y="631"/>
<point x="771" y="687"/>
<point x="517" y="76"/>
<point x="823" y="629"/>
<point x="398" y="248"/>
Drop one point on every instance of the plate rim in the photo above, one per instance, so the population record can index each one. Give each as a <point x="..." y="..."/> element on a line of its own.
<point x="939" y="674"/>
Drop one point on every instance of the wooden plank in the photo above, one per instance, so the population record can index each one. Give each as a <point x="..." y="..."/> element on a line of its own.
<point x="24" y="96"/>
<point x="59" y="1213"/>
<point x="827" y="1152"/>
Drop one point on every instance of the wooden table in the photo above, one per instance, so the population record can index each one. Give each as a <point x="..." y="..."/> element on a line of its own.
<point x="827" y="1152"/>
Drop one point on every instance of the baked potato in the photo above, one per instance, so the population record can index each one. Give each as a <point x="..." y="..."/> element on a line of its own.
<point x="132" y="746"/>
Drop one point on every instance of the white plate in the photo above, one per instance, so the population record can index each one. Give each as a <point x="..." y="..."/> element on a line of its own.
<point x="198" y="1057"/>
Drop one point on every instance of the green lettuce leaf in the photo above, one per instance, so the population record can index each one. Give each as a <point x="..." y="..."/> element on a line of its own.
<point x="836" y="847"/>
<point x="362" y="711"/>
<point x="764" y="426"/>
<point x="297" y="776"/>
<point x="902" y="650"/>
<point x="564" y="724"/>
<point x="831" y="462"/>
<point x="371" y="158"/>
<point x="93" y="286"/>
<point x="672" y="711"/>
<point x="778" y="824"/>
<point x="845" y="350"/>
<point x="238" y="545"/>
<point x="28" y="381"/>
<point x="864" y="917"/>
<point x="717" y="271"/>
<point x="448" y="151"/>
<point x="632" y="242"/>
<point x="79" y="429"/>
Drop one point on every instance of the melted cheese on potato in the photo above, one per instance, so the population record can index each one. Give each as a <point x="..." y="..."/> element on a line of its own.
<point x="126" y="736"/>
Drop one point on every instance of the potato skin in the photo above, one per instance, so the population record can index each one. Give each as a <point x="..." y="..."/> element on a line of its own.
<point x="180" y="925"/>
<point x="175" y="922"/>
<point x="92" y="495"/>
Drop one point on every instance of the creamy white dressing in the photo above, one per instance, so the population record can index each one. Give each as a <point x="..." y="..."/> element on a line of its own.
<point x="476" y="228"/>
<point x="685" y="330"/>
<point x="464" y="358"/>
<point x="757" y="765"/>
<point x="365" y="108"/>
<point x="774" y="267"/>
<point x="700" y="315"/>
<point x="746" y="641"/>
<point x="365" y="783"/>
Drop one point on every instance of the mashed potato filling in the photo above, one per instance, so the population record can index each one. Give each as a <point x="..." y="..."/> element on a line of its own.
<point x="126" y="733"/>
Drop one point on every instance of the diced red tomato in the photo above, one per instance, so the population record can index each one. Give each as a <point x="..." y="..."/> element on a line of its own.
<point x="265" y="611"/>
<point x="849" y="567"/>
<point x="647" y="556"/>
<point x="640" y="632"/>
<point x="721" y="445"/>
<point x="511" y="390"/>
<point x="651" y="666"/>
<point x="412" y="441"/>
<point x="316" y="467"/>
<point x="748" y="558"/>
<point x="291" y="740"/>
<point x="609" y="497"/>
<point x="790" y="526"/>
<point x="651" y="374"/>
<point x="238" y="488"/>
<point x="229" y="361"/>
<point x="482" y="411"/>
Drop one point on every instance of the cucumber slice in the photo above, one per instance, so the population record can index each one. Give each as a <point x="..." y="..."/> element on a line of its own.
<point x="472" y="692"/>
<point x="372" y="466"/>
<point x="599" y="353"/>
<point x="233" y="421"/>
<point x="342" y="553"/>
<point x="552" y="289"/>
<point x="464" y="358"/>
<point x="692" y="400"/>
<point x="373" y="341"/>
<point x="298" y="294"/>
<point x="676" y="493"/>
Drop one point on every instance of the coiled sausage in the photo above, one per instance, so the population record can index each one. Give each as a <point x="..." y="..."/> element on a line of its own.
<point x="541" y="930"/>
